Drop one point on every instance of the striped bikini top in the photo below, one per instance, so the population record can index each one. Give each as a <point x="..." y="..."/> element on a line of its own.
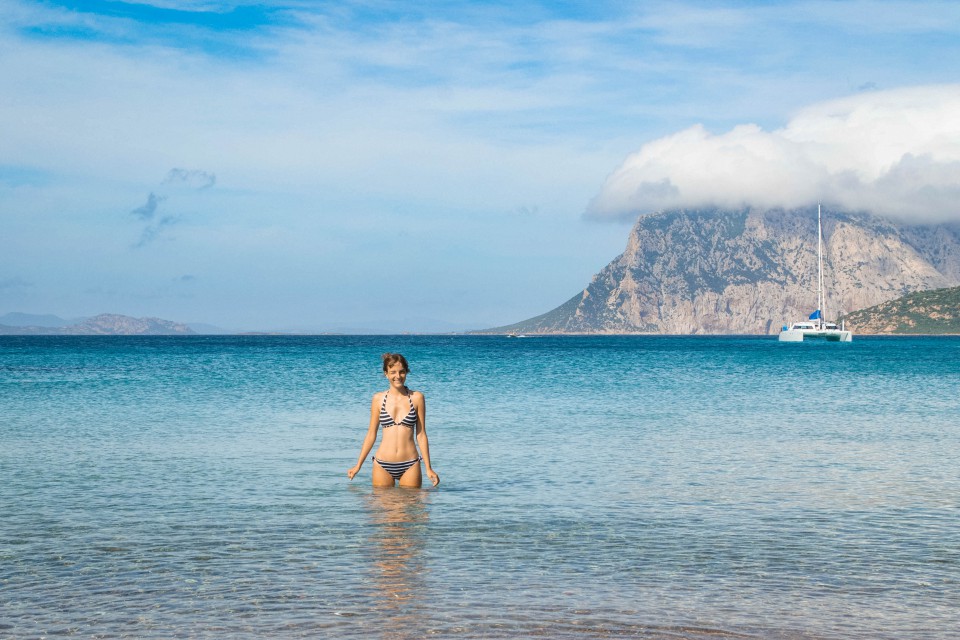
<point x="409" y="420"/>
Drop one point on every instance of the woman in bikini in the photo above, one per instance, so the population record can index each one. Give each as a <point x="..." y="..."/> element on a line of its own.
<point x="401" y="414"/>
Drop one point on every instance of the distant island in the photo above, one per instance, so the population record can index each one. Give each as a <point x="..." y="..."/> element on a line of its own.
<point x="18" y="323"/>
<point x="103" y="324"/>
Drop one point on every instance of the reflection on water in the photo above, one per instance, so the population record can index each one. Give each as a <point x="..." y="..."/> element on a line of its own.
<point x="397" y="571"/>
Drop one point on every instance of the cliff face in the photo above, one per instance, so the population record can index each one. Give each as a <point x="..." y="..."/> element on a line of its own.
<point x="751" y="271"/>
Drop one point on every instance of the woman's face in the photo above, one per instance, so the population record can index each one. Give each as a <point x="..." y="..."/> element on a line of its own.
<point x="396" y="374"/>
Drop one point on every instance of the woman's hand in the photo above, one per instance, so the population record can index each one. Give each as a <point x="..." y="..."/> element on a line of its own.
<point x="353" y="471"/>
<point x="434" y="478"/>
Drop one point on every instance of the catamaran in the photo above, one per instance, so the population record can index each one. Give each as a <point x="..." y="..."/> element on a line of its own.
<point x="815" y="327"/>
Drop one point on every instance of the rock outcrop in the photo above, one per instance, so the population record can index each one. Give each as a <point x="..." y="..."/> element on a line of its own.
<point x="751" y="271"/>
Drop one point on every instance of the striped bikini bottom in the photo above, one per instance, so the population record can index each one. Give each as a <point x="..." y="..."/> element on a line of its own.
<point x="396" y="469"/>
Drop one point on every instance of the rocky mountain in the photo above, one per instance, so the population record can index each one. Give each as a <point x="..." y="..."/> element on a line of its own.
<point x="105" y="324"/>
<point x="751" y="271"/>
<point x="924" y="312"/>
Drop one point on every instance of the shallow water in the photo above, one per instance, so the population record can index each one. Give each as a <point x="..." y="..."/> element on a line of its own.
<point x="676" y="487"/>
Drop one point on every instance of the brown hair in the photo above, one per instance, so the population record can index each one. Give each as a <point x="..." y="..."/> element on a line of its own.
<point x="390" y="359"/>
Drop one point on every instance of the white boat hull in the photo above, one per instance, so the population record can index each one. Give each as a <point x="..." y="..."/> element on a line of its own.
<point x="830" y="335"/>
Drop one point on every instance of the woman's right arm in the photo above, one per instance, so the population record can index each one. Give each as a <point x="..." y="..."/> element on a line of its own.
<point x="370" y="439"/>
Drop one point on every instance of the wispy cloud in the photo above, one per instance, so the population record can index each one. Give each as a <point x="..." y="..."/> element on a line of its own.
<point x="176" y="182"/>
<point x="193" y="179"/>
<point x="149" y="209"/>
<point x="895" y="153"/>
<point x="155" y="230"/>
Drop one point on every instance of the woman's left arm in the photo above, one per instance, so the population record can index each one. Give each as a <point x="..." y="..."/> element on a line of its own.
<point x="420" y="402"/>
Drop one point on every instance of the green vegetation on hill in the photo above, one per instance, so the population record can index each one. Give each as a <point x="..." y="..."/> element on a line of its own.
<point x="932" y="312"/>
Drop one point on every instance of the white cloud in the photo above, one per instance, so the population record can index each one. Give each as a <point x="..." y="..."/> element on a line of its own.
<point x="895" y="153"/>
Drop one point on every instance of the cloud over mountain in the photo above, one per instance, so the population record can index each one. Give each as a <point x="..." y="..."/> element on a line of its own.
<point x="894" y="153"/>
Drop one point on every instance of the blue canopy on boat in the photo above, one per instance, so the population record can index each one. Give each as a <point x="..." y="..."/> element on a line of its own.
<point x="815" y="315"/>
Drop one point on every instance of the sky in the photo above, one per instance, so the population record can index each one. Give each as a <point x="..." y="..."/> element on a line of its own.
<point x="372" y="166"/>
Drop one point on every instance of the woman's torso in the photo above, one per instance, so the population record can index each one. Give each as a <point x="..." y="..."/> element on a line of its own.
<point x="398" y="422"/>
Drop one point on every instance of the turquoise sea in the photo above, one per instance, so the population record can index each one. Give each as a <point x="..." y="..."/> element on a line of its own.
<point x="591" y="487"/>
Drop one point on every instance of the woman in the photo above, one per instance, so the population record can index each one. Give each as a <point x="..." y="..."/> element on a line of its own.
<point x="401" y="413"/>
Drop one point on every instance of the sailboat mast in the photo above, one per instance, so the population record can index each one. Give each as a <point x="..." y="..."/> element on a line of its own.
<point x="820" y="267"/>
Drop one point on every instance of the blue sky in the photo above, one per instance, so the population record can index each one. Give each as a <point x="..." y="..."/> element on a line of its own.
<point x="365" y="165"/>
